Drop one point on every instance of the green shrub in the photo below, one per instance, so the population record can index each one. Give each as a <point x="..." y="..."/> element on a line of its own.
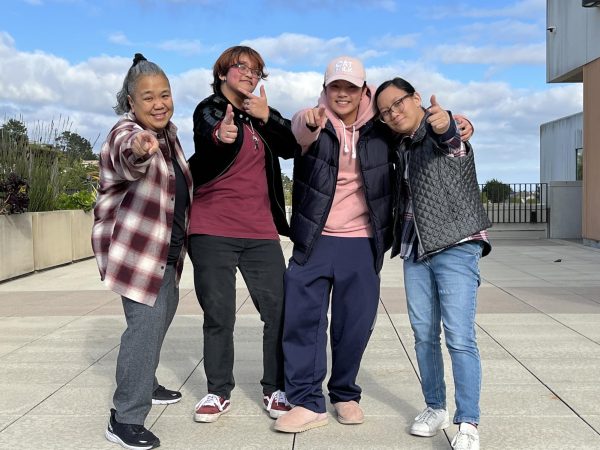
<point x="51" y="162"/>
<point x="79" y="200"/>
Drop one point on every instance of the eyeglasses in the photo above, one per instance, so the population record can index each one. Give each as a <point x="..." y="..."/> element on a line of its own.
<point x="245" y="70"/>
<point x="396" y="107"/>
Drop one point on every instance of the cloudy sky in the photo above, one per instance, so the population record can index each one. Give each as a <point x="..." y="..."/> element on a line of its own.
<point x="64" y="60"/>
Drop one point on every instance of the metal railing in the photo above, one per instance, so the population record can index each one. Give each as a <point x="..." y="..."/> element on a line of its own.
<point x="516" y="202"/>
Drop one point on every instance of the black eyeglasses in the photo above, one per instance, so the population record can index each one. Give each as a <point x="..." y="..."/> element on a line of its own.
<point x="245" y="70"/>
<point x="396" y="107"/>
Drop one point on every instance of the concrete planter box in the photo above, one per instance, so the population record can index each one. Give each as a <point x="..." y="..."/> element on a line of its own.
<point x="81" y="234"/>
<point x="52" y="239"/>
<point x="16" y="245"/>
<point x="40" y="240"/>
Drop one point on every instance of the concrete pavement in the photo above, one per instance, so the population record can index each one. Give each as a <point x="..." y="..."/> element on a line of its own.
<point x="538" y="329"/>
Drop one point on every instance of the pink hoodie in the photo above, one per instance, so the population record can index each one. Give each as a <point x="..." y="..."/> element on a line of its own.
<point x="349" y="214"/>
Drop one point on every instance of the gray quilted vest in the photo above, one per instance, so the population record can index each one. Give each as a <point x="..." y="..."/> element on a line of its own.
<point x="445" y="194"/>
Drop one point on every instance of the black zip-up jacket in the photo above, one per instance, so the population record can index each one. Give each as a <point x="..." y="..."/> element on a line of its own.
<point x="212" y="159"/>
<point x="315" y="180"/>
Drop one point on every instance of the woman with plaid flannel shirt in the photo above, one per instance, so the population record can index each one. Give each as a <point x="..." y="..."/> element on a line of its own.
<point x="138" y="237"/>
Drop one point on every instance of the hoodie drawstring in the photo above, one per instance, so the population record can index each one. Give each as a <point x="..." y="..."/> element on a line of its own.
<point x="346" y="150"/>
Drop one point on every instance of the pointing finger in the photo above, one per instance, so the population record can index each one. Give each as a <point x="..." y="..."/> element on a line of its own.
<point x="245" y="93"/>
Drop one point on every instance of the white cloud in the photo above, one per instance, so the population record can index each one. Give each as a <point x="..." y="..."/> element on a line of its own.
<point x="494" y="55"/>
<point x="7" y="43"/>
<point x="520" y="9"/>
<point x="186" y="47"/>
<point x="43" y="87"/>
<point x="119" y="38"/>
<point x="386" y="5"/>
<point x="392" y="41"/>
<point x="290" y="48"/>
<point x="506" y="30"/>
<point x="182" y="46"/>
<point x="524" y="8"/>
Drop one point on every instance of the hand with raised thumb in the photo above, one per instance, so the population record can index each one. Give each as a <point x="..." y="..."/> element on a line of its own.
<point x="438" y="117"/>
<point x="145" y="143"/>
<point x="227" y="132"/>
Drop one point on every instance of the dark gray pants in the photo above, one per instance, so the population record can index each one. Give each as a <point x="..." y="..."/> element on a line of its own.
<point x="140" y="351"/>
<point x="262" y="265"/>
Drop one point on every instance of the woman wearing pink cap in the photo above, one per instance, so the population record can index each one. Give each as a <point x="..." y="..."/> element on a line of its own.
<point x="341" y="227"/>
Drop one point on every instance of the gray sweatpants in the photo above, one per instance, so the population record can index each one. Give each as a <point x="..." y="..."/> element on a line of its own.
<point x="140" y="351"/>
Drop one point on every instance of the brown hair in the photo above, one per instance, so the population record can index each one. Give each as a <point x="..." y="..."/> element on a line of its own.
<point x="232" y="56"/>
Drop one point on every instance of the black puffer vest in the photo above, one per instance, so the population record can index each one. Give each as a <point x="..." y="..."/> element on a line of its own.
<point x="445" y="194"/>
<point x="315" y="177"/>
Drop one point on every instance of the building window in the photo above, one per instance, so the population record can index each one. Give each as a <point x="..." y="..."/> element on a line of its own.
<point x="579" y="164"/>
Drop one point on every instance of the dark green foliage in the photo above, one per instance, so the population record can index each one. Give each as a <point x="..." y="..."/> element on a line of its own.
<point x="14" y="194"/>
<point x="50" y="165"/>
<point x="75" y="147"/>
<point x="495" y="191"/>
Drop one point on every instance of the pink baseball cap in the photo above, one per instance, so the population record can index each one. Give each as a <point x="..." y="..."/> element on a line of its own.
<point x="345" y="68"/>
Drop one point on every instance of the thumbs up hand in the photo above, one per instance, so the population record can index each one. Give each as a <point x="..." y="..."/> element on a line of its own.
<point x="439" y="117"/>
<point x="227" y="132"/>
<point x="144" y="143"/>
<point x="256" y="106"/>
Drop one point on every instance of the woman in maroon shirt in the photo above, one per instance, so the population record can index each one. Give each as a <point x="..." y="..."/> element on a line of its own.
<point x="238" y="213"/>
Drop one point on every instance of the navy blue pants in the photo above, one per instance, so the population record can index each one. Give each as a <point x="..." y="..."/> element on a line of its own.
<point x="345" y="268"/>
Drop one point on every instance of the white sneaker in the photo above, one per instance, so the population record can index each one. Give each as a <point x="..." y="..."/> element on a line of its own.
<point x="429" y="422"/>
<point x="467" y="438"/>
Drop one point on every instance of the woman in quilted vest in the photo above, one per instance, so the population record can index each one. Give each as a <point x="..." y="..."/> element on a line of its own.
<point x="440" y="233"/>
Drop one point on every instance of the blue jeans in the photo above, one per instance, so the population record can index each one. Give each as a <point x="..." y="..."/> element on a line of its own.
<point x="442" y="289"/>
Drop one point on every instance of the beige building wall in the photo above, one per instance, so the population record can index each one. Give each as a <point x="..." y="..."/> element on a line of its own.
<point x="591" y="152"/>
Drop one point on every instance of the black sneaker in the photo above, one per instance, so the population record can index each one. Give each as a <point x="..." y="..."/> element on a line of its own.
<point x="164" y="396"/>
<point x="134" y="437"/>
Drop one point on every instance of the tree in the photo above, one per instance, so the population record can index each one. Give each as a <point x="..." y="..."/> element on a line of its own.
<point x="15" y="130"/>
<point x="287" y="188"/>
<point x="496" y="191"/>
<point x="75" y="147"/>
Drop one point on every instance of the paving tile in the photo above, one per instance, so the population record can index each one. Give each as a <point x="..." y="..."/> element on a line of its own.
<point x="564" y="370"/>
<point x="536" y="433"/>
<point x="379" y="432"/>
<point x="19" y="398"/>
<point x="538" y="328"/>
<point x="230" y="431"/>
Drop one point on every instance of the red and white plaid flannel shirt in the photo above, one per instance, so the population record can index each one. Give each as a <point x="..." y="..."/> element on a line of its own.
<point x="133" y="215"/>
